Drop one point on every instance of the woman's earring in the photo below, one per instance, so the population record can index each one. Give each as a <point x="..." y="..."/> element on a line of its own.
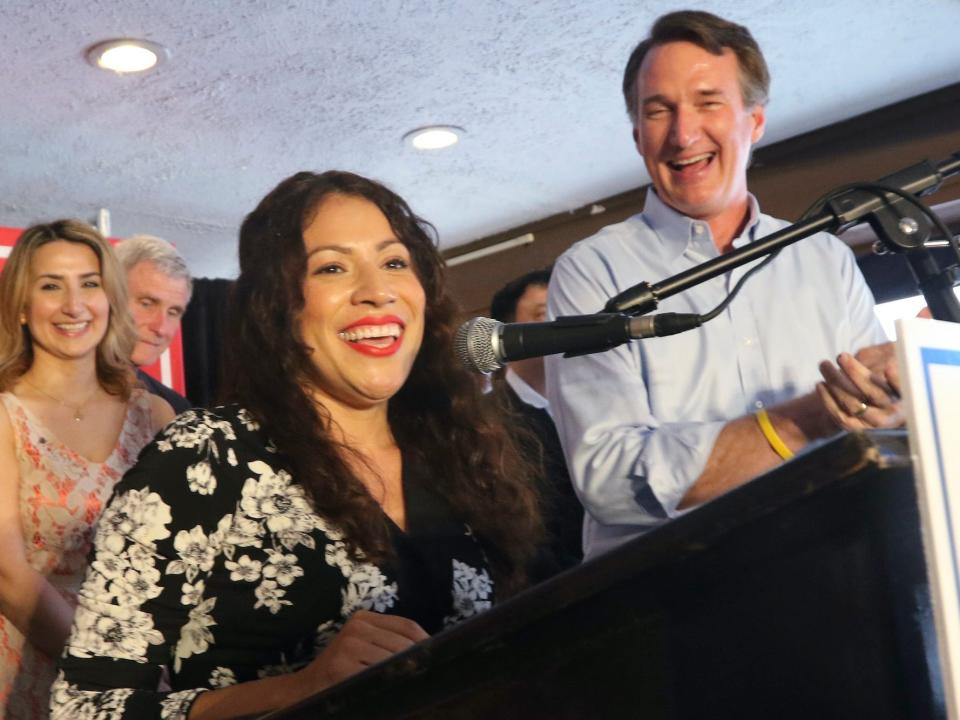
<point x="23" y="319"/>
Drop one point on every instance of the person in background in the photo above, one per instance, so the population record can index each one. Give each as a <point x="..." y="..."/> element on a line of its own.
<point x="657" y="427"/>
<point x="159" y="286"/>
<point x="519" y="392"/>
<point x="355" y="497"/>
<point x="71" y="423"/>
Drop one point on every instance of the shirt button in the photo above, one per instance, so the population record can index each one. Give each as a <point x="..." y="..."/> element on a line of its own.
<point x="698" y="229"/>
<point x="748" y="341"/>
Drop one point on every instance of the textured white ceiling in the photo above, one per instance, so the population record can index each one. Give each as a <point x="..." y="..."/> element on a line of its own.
<point x="258" y="89"/>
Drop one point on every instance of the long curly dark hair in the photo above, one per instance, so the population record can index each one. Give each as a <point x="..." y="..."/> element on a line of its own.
<point x="437" y="418"/>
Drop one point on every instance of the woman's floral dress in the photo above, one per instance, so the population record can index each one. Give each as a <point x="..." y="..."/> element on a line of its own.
<point x="61" y="496"/>
<point x="210" y="568"/>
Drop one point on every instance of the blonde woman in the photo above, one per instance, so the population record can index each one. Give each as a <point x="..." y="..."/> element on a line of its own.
<point x="71" y="423"/>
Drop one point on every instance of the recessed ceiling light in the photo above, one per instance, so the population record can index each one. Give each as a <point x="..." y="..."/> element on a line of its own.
<point x="126" y="56"/>
<point x="434" y="137"/>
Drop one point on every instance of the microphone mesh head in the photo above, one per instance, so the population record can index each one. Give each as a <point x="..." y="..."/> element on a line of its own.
<point x="474" y="345"/>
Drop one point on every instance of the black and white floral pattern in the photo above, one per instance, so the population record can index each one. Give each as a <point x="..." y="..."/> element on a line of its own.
<point x="473" y="592"/>
<point x="210" y="565"/>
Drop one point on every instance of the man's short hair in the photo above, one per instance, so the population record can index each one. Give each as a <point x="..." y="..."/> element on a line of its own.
<point x="503" y="307"/>
<point x="711" y="33"/>
<point x="148" y="248"/>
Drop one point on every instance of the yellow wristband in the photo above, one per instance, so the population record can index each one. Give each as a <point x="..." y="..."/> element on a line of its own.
<point x="766" y="427"/>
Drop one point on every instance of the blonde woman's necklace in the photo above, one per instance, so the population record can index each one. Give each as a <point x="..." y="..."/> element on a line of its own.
<point x="77" y="409"/>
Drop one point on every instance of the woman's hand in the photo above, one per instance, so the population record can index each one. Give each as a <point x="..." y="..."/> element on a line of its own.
<point x="365" y="639"/>
<point x="863" y="392"/>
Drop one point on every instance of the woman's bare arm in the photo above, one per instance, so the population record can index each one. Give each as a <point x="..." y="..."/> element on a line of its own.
<point x="27" y="599"/>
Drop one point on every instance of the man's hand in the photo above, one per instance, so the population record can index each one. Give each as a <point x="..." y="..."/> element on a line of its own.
<point x="882" y="361"/>
<point x="863" y="391"/>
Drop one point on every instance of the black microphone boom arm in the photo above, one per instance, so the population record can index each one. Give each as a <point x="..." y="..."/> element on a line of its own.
<point x="846" y="209"/>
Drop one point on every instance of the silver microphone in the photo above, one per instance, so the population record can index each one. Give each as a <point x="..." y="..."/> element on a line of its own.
<point x="477" y="343"/>
<point x="484" y="345"/>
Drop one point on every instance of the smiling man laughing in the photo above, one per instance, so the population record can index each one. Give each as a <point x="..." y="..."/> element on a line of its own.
<point x="654" y="428"/>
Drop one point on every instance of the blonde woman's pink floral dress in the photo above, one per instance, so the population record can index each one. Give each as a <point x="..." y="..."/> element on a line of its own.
<point x="61" y="497"/>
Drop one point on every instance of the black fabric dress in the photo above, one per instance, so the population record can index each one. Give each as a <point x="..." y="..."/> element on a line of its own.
<point x="209" y="561"/>
<point x="561" y="509"/>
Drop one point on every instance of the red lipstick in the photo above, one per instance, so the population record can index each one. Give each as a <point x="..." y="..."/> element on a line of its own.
<point x="365" y="348"/>
<point x="374" y="350"/>
<point x="370" y="320"/>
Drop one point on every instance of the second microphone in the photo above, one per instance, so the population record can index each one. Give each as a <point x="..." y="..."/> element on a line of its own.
<point x="484" y="345"/>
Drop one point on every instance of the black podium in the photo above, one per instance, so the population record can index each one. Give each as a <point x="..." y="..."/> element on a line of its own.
<point x="802" y="594"/>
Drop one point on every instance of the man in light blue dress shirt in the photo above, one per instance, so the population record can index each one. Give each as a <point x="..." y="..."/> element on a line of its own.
<point x="659" y="426"/>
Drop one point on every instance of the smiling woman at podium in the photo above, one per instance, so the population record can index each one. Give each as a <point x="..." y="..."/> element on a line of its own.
<point x="353" y="498"/>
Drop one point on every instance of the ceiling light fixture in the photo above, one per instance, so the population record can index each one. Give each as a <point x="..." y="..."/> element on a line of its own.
<point x="490" y="249"/>
<point x="434" y="137"/>
<point x="126" y="55"/>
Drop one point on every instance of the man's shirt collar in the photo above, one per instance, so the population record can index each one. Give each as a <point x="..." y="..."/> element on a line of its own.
<point x="681" y="233"/>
